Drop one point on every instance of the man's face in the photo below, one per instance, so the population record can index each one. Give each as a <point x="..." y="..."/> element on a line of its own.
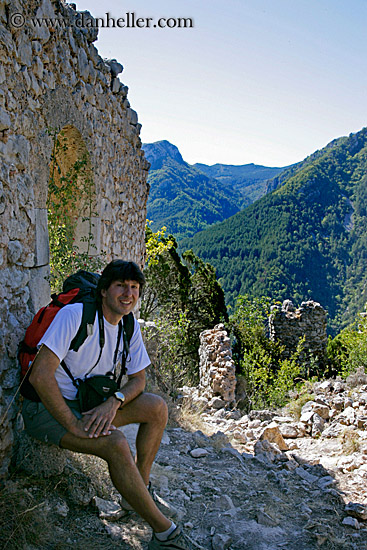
<point x="119" y="299"/>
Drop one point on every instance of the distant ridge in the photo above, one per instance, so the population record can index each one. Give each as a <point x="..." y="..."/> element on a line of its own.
<point x="250" y="180"/>
<point x="182" y="198"/>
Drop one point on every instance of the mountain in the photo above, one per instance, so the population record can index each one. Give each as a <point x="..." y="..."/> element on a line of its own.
<point x="188" y="198"/>
<point x="181" y="197"/>
<point x="250" y="180"/>
<point x="307" y="239"/>
<point x="159" y="152"/>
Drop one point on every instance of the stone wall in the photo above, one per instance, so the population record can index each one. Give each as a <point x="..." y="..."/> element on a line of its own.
<point x="217" y="369"/>
<point x="288" y="324"/>
<point x="53" y="77"/>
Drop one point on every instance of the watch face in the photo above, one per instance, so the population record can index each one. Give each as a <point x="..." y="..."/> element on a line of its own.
<point x="120" y="396"/>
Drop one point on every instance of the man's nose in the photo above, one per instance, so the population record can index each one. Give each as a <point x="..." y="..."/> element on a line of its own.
<point x="127" y="290"/>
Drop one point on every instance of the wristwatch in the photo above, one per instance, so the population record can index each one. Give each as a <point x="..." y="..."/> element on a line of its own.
<point x="120" y="396"/>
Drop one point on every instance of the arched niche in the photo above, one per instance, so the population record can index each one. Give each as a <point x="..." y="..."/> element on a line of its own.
<point x="71" y="202"/>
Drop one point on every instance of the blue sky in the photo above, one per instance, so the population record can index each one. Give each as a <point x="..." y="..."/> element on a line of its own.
<point x="262" y="81"/>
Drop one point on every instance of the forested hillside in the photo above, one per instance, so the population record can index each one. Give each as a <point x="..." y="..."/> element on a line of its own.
<point x="182" y="198"/>
<point x="250" y="180"/>
<point x="307" y="239"/>
<point x="187" y="199"/>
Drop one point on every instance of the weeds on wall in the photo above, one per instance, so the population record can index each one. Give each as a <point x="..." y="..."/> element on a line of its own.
<point x="69" y="195"/>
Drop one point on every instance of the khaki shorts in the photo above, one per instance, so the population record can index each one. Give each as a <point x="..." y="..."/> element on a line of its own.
<point x="41" y="425"/>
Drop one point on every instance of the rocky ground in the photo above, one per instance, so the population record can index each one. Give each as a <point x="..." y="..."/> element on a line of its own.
<point x="262" y="481"/>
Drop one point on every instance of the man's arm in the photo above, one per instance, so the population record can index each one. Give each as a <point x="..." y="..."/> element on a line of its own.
<point x="42" y="378"/>
<point x="134" y="386"/>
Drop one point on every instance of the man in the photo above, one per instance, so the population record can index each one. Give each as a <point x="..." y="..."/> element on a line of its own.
<point x="58" y="419"/>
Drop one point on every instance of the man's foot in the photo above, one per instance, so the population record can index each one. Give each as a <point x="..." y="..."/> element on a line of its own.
<point x="163" y="505"/>
<point x="176" y="541"/>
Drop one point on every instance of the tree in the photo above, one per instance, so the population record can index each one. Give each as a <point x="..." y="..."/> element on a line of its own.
<point x="184" y="297"/>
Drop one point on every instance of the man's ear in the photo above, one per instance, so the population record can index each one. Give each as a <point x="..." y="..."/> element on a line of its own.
<point x="103" y="292"/>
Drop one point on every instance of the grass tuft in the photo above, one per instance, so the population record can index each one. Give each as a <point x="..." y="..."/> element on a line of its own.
<point x="24" y="518"/>
<point x="350" y="441"/>
<point x="295" y="407"/>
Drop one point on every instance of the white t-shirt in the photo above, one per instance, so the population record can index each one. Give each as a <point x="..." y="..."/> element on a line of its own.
<point x="63" y="329"/>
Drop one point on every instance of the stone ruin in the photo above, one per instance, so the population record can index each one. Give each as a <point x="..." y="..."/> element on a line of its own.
<point x="217" y="368"/>
<point x="52" y="78"/>
<point x="288" y="324"/>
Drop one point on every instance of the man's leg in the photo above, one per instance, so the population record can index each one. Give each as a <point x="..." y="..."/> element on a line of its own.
<point x="124" y="473"/>
<point x="150" y="411"/>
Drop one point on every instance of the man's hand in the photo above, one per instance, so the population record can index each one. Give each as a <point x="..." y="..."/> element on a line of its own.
<point x="98" y="421"/>
<point x="78" y="429"/>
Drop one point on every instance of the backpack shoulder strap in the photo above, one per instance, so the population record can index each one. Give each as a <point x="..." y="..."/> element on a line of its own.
<point x="88" y="316"/>
<point x="127" y="333"/>
<point x="129" y="325"/>
<point x="86" y="324"/>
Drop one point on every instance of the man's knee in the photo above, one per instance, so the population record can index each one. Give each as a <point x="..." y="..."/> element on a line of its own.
<point x="116" y="447"/>
<point x="147" y="408"/>
<point x="159" y="409"/>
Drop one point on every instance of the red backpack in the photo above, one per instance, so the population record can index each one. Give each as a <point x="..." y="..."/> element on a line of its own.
<point x="80" y="287"/>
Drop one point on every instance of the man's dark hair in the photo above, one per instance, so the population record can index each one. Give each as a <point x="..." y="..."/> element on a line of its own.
<point x="120" y="270"/>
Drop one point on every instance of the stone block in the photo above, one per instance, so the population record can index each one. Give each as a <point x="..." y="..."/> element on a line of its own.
<point x="42" y="33"/>
<point x="115" y="67"/>
<point x="15" y="250"/>
<point x="39" y="287"/>
<point x="132" y="116"/>
<point x="17" y="150"/>
<point x="24" y="48"/>
<point x="115" y="85"/>
<point x="273" y="434"/>
<point x="41" y="252"/>
<point x="83" y="64"/>
<point x="5" y="122"/>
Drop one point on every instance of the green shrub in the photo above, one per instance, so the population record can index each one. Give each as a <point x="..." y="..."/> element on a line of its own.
<point x="269" y="377"/>
<point x="176" y="365"/>
<point x="347" y="352"/>
<point x="183" y="297"/>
